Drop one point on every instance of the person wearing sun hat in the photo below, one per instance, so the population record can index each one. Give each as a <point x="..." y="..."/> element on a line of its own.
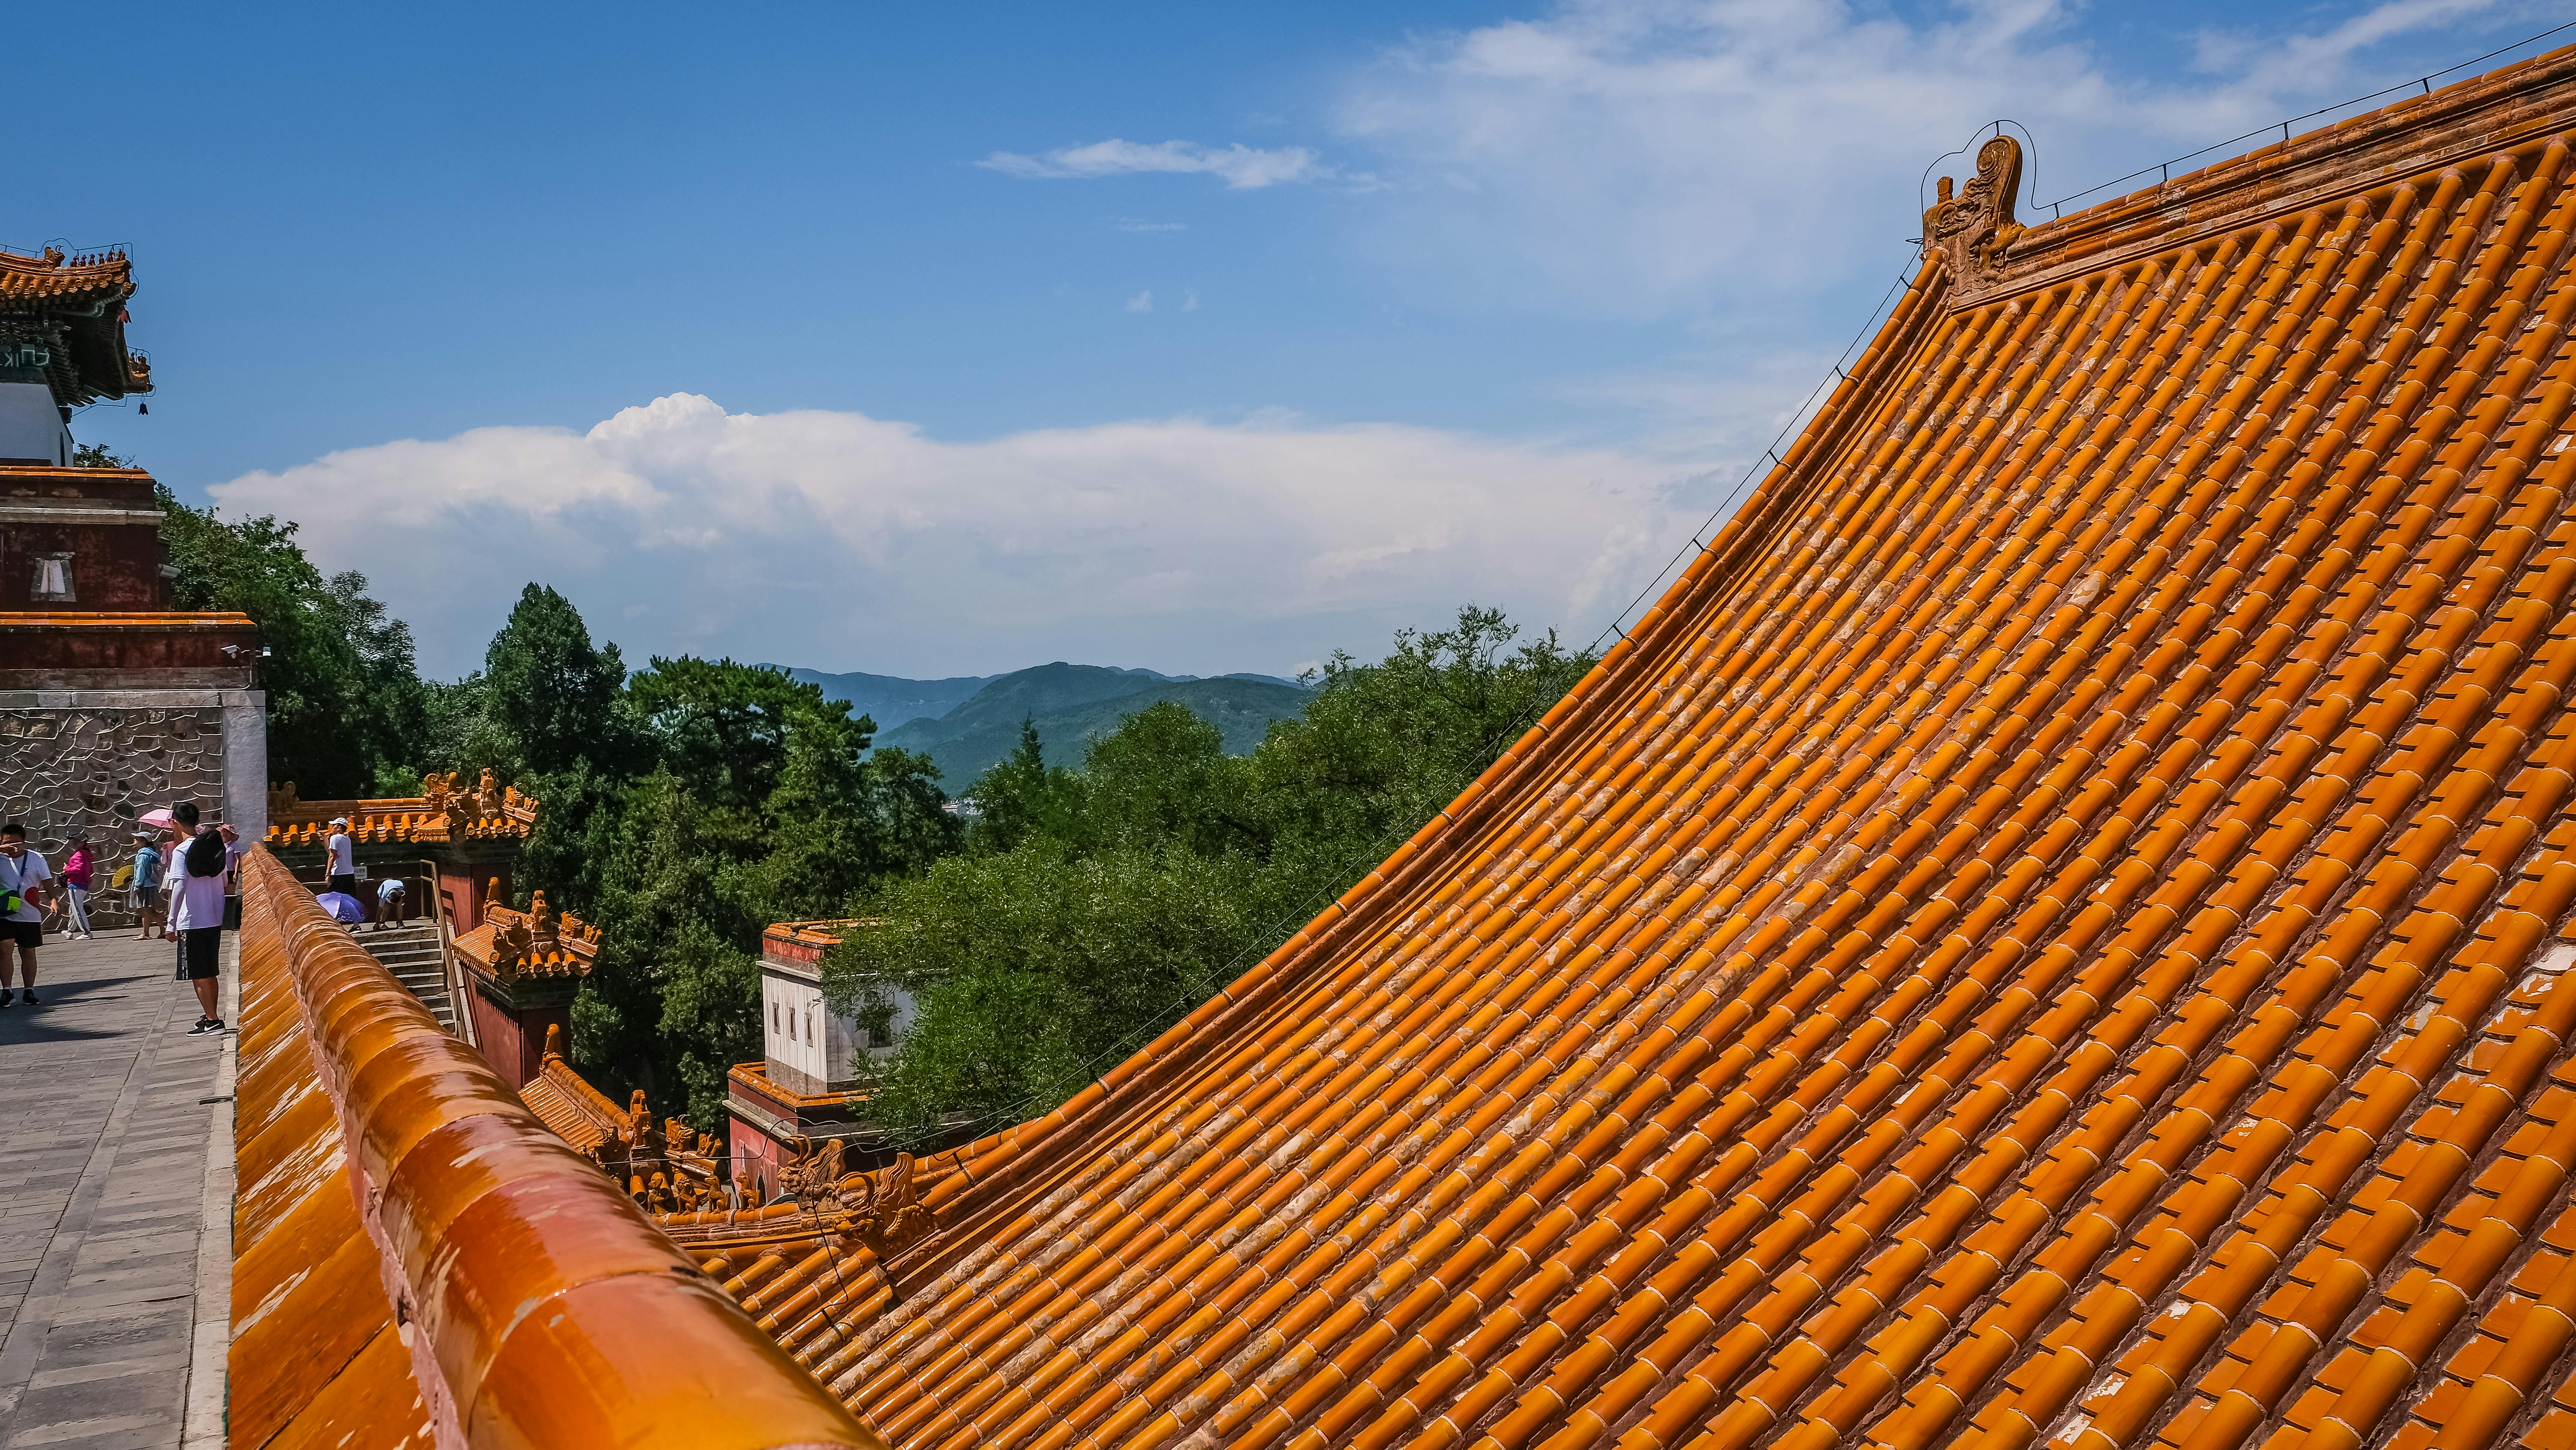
<point x="342" y="869"/>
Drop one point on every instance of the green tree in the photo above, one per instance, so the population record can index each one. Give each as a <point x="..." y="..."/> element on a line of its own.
<point x="549" y="694"/>
<point x="1163" y="778"/>
<point x="1033" y="968"/>
<point x="1385" y="745"/>
<point x="755" y="802"/>
<point x="345" y="703"/>
<point x="1021" y="795"/>
<point x="1099" y="905"/>
<point x="547" y="712"/>
<point x="673" y="995"/>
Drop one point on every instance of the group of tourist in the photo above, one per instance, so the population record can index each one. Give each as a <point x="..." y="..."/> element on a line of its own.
<point x="339" y="893"/>
<point x="176" y="881"/>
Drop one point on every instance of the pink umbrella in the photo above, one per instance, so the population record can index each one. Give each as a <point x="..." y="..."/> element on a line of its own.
<point x="158" y="816"/>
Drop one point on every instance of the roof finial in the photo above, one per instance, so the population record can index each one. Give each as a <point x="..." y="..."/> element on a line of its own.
<point x="1973" y="228"/>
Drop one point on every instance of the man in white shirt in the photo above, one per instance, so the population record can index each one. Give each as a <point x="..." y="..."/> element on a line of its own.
<point x="342" y="869"/>
<point x="201" y="862"/>
<point x="23" y="875"/>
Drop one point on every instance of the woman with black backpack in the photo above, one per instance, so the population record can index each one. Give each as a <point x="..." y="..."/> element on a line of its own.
<point x="197" y="873"/>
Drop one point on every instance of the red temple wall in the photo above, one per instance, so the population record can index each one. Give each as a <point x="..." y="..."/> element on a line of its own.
<point x="116" y="562"/>
<point x="755" y="1153"/>
<point x="515" y="1042"/>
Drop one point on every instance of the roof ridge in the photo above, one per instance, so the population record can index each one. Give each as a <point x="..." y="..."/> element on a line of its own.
<point x="1990" y="253"/>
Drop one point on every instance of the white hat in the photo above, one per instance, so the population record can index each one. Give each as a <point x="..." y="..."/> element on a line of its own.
<point x="339" y="820"/>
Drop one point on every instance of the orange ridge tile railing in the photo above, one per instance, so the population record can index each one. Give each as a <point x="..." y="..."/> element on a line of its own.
<point x="543" y="1309"/>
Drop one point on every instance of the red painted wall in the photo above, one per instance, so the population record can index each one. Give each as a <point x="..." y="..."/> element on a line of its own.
<point x="755" y="1154"/>
<point x="515" y="1043"/>
<point x="114" y="566"/>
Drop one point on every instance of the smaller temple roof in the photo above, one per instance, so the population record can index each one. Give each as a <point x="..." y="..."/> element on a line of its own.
<point x="821" y="933"/>
<point x="57" y="279"/>
<point x="536" y="942"/>
<point x="801" y="944"/>
<point x="670" y="1169"/>
<point x="440" y="813"/>
<point x="580" y="1114"/>
<point x="755" y="1076"/>
<point x="75" y="308"/>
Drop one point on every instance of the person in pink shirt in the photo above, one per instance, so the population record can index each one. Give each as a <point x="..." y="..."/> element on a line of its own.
<point x="75" y="876"/>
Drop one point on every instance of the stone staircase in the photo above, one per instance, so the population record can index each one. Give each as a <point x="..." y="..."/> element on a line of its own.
<point x="411" y="954"/>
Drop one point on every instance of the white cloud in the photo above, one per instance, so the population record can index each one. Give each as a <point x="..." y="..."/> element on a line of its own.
<point x="1242" y="167"/>
<point x="1642" y="158"/>
<point x="1142" y="301"/>
<point x="1190" y="300"/>
<point x="844" y="541"/>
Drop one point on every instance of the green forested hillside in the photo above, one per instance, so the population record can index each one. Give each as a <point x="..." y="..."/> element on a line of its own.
<point x="1073" y="704"/>
<point x="1108" y="889"/>
<point x="891" y="700"/>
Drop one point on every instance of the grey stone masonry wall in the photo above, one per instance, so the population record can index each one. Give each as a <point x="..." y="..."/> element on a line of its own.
<point x="94" y="760"/>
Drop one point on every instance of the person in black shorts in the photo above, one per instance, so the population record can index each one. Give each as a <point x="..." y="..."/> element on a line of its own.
<point x="198" y="868"/>
<point x="22" y="876"/>
<point x="340" y="859"/>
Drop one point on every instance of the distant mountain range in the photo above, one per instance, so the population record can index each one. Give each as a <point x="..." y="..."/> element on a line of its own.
<point x="968" y="722"/>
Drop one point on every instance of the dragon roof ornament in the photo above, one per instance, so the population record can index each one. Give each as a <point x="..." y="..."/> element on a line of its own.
<point x="1972" y="229"/>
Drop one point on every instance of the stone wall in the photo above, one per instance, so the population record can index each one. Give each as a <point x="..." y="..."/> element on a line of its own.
<point x="93" y="761"/>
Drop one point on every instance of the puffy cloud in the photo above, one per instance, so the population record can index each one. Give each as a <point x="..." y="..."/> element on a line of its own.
<point x="1142" y="301"/>
<point x="1243" y="167"/>
<point x="846" y="542"/>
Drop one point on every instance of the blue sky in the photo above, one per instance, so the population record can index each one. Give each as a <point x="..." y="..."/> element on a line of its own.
<point x="938" y="340"/>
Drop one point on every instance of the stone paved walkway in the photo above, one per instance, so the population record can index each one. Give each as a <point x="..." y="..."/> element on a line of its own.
<point x="103" y="1154"/>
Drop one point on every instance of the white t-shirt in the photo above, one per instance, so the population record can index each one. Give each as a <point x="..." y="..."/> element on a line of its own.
<point x="389" y="889"/>
<point x="197" y="901"/>
<point x="20" y="874"/>
<point x="344" y="854"/>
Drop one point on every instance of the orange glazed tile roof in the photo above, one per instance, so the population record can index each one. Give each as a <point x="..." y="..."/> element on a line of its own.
<point x="578" y="1113"/>
<point x="510" y="944"/>
<point x="84" y="295"/>
<point x="104" y="620"/>
<point x="440" y="813"/>
<point x="822" y="933"/>
<point x="417" y="1261"/>
<point x="2051" y="932"/>
<point x="57" y="280"/>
